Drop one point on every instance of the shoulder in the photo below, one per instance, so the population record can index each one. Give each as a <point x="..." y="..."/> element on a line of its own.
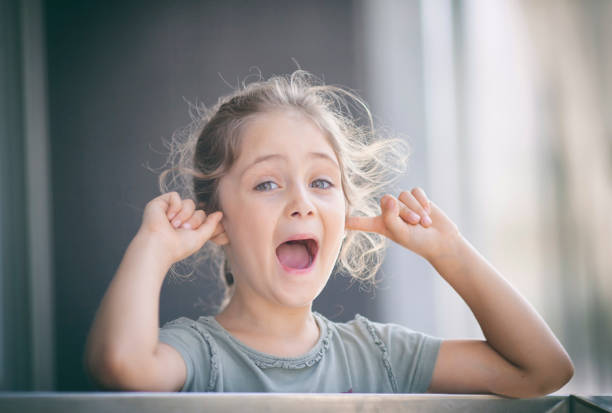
<point x="408" y="356"/>
<point x="398" y="337"/>
<point x="185" y="328"/>
<point x="375" y="332"/>
<point x="385" y="337"/>
<point x="194" y="341"/>
<point x="189" y="334"/>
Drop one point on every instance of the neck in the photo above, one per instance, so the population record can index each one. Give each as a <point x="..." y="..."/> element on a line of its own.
<point x="253" y="315"/>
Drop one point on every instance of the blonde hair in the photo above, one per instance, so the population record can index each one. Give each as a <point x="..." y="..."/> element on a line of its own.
<point x="202" y="153"/>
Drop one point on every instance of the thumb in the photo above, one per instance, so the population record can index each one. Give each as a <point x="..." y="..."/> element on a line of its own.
<point x="390" y="213"/>
<point x="206" y="230"/>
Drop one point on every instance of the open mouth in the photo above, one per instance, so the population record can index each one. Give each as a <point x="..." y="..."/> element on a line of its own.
<point x="297" y="254"/>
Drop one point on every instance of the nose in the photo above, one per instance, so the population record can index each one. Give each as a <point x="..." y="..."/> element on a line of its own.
<point x="300" y="204"/>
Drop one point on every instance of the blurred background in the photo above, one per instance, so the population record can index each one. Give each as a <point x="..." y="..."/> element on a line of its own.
<point x="507" y="106"/>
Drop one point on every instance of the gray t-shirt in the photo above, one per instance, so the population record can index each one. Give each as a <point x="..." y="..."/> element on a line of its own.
<point x="359" y="356"/>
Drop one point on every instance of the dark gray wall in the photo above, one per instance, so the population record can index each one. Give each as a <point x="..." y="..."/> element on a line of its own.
<point x="14" y="297"/>
<point x="118" y="73"/>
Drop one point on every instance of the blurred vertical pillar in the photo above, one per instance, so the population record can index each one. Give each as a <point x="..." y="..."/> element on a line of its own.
<point x="14" y="311"/>
<point x="38" y="184"/>
<point x="446" y="161"/>
<point x="26" y="316"/>
<point x="390" y="64"/>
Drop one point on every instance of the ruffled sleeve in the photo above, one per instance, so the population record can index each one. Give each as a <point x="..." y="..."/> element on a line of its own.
<point x="408" y="356"/>
<point x="198" y="350"/>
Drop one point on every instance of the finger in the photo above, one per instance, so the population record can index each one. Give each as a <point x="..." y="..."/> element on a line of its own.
<point x="187" y="208"/>
<point x="174" y="204"/>
<point x="367" y="224"/>
<point x="407" y="206"/>
<point x="195" y="221"/>
<point x="198" y="218"/>
<point x="420" y="196"/>
<point x="411" y="202"/>
<point x="206" y="230"/>
<point x="408" y="215"/>
<point x="390" y="214"/>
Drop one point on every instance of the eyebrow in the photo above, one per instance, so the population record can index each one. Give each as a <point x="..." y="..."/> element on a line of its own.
<point x="264" y="158"/>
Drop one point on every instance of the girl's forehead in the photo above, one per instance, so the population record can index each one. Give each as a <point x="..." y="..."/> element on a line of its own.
<point x="291" y="122"/>
<point x="282" y="133"/>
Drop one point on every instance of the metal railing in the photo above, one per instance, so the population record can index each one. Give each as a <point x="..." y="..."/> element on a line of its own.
<point x="294" y="403"/>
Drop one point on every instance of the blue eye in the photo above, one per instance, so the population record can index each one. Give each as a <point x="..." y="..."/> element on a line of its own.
<point x="325" y="184"/>
<point x="270" y="185"/>
<point x="266" y="186"/>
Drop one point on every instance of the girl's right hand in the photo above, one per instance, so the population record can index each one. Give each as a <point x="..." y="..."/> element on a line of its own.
<point x="177" y="227"/>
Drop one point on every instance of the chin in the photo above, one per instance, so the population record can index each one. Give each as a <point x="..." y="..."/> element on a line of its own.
<point x="289" y="300"/>
<point x="298" y="296"/>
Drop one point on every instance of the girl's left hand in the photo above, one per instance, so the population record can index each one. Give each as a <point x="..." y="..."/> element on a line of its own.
<point x="412" y="221"/>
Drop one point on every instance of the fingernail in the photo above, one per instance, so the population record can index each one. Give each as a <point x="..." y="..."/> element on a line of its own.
<point x="176" y="223"/>
<point x="389" y="202"/>
<point x="415" y="217"/>
<point x="186" y="225"/>
<point x="426" y="220"/>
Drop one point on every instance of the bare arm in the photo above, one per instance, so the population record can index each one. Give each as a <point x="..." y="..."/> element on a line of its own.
<point x="521" y="357"/>
<point x="122" y="350"/>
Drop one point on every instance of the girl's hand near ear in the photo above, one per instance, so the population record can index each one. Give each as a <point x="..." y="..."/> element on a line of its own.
<point x="412" y="221"/>
<point x="179" y="229"/>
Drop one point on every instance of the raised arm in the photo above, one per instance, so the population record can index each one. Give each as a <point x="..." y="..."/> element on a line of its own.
<point x="122" y="350"/>
<point x="521" y="356"/>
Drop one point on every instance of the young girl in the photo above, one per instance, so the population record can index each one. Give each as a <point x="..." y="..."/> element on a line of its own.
<point x="285" y="184"/>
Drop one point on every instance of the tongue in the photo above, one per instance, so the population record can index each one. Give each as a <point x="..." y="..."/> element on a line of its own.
<point x="293" y="255"/>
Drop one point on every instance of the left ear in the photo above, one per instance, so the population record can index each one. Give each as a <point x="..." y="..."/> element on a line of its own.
<point x="220" y="239"/>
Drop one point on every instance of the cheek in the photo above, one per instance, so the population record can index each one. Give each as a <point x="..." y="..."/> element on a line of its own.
<point x="336" y="218"/>
<point x="249" y="228"/>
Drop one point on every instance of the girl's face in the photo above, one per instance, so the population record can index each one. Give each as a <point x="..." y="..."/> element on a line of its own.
<point x="284" y="185"/>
